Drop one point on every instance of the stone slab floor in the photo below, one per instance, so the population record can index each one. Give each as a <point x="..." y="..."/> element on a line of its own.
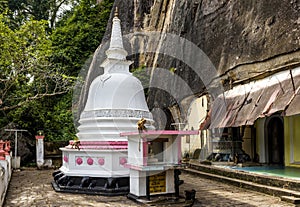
<point x="31" y="187"/>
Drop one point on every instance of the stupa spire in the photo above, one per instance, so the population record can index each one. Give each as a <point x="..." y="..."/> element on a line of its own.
<point x="116" y="12"/>
<point x="116" y="49"/>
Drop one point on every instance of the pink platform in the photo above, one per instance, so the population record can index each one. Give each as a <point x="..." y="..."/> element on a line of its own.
<point x="161" y="132"/>
<point x="153" y="134"/>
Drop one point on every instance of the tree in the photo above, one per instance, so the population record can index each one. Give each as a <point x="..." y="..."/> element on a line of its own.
<point x="23" y="10"/>
<point x="39" y="67"/>
<point x="26" y="72"/>
<point x="78" y="35"/>
<point x="51" y="115"/>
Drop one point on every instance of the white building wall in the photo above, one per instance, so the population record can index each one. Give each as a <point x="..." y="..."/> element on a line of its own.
<point x="260" y="140"/>
<point x="196" y="115"/>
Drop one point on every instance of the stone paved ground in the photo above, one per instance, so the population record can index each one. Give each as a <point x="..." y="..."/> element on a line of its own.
<point x="30" y="187"/>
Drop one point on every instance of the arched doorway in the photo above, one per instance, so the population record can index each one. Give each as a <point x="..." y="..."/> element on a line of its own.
<point x="275" y="140"/>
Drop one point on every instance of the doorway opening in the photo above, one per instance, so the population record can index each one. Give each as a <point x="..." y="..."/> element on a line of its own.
<point x="275" y="140"/>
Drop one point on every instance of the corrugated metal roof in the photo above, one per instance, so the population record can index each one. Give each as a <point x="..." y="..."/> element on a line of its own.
<point x="243" y="104"/>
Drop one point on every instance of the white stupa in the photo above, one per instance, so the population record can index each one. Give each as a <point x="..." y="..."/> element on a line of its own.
<point x="115" y="103"/>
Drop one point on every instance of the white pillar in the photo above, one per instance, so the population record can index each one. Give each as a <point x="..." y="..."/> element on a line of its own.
<point x="39" y="151"/>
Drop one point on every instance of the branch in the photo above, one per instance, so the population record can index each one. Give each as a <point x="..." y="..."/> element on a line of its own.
<point x="36" y="97"/>
<point x="55" y="11"/>
<point x="46" y="84"/>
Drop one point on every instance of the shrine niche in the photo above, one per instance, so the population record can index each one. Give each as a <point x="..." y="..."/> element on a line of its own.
<point x="154" y="161"/>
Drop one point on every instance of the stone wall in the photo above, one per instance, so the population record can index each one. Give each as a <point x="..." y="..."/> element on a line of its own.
<point x="241" y="38"/>
<point x="53" y="153"/>
<point x="245" y="40"/>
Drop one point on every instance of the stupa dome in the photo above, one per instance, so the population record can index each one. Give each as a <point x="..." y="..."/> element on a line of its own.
<point x="116" y="100"/>
<point x="116" y="91"/>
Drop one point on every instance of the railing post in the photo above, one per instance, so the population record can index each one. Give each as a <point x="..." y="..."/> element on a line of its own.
<point x="2" y="152"/>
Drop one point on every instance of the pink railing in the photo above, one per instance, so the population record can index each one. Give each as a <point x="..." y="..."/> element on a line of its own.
<point x="4" y="149"/>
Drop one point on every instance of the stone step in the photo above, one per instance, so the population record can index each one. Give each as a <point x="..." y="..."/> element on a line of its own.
<point x="284" y="194"/>
<point x="267" y="180"/>
<point x="291" y="199"/>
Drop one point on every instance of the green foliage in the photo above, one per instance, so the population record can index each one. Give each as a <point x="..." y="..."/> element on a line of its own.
<point x="27" y="72"/>
<point x="39" y="66"/>
<point x="57" y="123"/>
<point x="79" y="34"/>
<point x="143" y="74"/>
<point x="22" y="10"/>
<point x="172" y="70"/>
<point x="60" y="124"/>
<point x="3" y="5"/>
<point x="23" y="57"/>
<point x="28" y="80"/>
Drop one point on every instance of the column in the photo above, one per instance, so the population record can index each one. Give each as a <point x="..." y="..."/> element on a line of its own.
<point x="39" y="150"/>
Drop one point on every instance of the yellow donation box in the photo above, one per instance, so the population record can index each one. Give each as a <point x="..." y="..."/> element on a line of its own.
<point x="157" y="183"/>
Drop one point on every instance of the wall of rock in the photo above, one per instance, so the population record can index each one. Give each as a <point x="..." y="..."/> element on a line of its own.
<point x="244" y="40"/>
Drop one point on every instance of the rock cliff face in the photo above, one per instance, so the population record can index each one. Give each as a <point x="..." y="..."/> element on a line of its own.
<point x="243" y="40"/>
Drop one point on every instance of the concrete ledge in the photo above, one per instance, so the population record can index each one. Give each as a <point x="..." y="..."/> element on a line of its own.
<point x="288" y="195"/>
<point x="247" y="176"/>
<point x="290" y="199"/>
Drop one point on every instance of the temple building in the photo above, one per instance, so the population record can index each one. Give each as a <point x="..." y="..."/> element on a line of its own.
<point x="258" y="119"/>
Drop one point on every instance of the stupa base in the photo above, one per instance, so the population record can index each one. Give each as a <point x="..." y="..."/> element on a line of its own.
<point x="90" y="185"/>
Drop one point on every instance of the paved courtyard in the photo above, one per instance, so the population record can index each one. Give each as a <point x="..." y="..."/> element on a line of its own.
<point x="31" y="187"/>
